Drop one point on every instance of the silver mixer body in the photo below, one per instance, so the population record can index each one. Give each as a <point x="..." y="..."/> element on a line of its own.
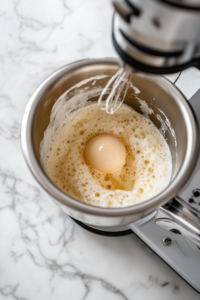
<point x="157" y="36"/>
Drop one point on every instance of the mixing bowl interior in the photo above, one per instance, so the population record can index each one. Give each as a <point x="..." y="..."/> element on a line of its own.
<point x="156" y="91"/>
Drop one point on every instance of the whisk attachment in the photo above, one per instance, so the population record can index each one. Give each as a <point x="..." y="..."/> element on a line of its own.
<point x="116" y="88"/>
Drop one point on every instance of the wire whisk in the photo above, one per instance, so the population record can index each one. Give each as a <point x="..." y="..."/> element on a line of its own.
<point x="117" y="88"/>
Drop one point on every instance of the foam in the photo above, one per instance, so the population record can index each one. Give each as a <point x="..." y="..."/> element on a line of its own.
<point x="148" y="163"/>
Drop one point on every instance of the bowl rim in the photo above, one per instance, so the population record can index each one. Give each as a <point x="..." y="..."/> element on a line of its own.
<point x="191" y="157"/>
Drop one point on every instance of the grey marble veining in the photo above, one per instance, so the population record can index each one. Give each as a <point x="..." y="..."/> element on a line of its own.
<point x="43" y="254"/>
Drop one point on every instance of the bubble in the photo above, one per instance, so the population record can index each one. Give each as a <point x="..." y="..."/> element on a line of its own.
<point x="107" y="177"/>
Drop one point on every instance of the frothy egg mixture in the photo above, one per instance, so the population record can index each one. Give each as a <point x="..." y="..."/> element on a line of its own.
<point x="144" y="171"/>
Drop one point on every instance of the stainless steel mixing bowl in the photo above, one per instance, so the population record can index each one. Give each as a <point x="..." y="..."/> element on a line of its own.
<point x="166" y="97"/>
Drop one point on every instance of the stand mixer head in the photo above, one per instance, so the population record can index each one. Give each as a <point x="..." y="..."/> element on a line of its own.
<point x="157" y="36"/>
<point x="152" y="36"/>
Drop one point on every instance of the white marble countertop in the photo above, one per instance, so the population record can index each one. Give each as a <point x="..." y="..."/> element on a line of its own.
<point x="43" y="253"/>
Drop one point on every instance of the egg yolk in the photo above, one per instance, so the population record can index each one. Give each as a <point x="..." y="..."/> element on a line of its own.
<point x="105" y="153"/>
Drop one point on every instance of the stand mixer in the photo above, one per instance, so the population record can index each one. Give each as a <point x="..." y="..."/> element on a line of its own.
<point x="156" y="37"/>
